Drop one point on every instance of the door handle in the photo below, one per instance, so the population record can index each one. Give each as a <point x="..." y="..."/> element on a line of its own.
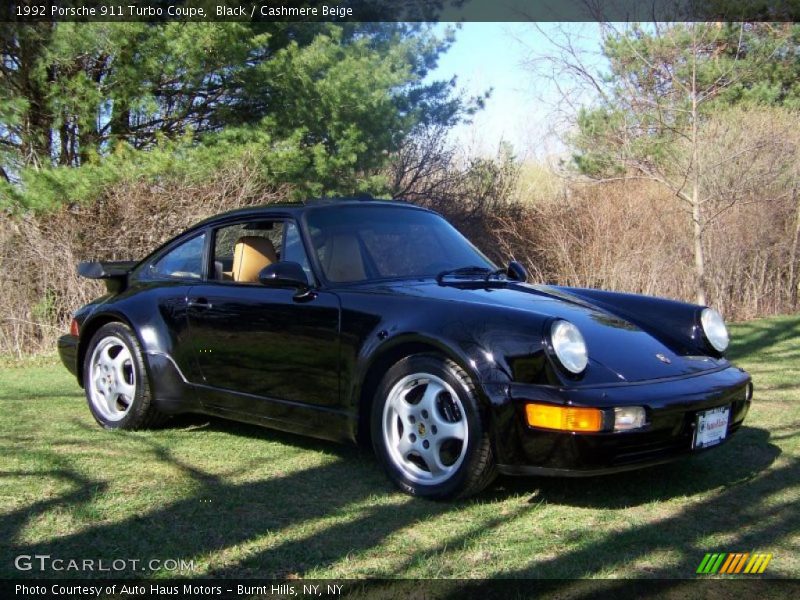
<point x="198" y="303"/>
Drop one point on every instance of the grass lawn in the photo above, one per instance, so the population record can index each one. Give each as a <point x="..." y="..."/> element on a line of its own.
<point x="244" y="501"/>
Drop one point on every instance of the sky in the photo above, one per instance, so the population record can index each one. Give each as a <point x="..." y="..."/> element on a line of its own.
<point x="521" y="107"/>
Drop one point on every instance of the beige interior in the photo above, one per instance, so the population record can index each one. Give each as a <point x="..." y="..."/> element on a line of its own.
<point x="250" y="255"/>
<point x="343" y="259"/>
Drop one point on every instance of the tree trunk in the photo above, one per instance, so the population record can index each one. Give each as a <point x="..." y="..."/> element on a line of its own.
<point x="697" y="214"/>
<point x="699" y="254"/>
<point x="793" y="282"/>
<point x="63" y="157"/>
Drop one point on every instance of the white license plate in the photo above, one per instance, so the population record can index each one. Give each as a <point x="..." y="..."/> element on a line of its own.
<point x="711" y="426"/>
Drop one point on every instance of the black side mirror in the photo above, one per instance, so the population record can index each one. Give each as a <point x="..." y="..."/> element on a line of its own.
<point x="516" y="272"/>
<point x="284" y="274"/>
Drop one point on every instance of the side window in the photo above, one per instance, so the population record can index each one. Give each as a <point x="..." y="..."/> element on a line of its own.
<point x="183" y="262"/>
<point x="294" y="251"/>
<point x="241" y="251"/>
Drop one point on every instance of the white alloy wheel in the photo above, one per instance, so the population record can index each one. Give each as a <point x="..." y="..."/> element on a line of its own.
<point x="111" y="384"/>
<point x="425" y="428"/>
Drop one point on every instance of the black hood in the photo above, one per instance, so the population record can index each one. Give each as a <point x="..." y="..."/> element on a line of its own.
<point x="627" y="350"/>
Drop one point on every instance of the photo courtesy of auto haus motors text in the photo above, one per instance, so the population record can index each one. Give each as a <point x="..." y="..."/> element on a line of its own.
<point x="130" y="590"/>
<point x="369" y="299"/>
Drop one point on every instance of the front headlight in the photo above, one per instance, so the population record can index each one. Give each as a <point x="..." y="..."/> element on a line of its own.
<point x="569" y="346"/>
<point x="714" y="329"/>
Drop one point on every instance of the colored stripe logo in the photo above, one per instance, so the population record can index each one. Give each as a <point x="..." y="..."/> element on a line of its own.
<point x="732" y="563"/>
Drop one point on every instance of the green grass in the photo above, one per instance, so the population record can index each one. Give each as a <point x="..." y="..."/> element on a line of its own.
<point x="245" y="501"/>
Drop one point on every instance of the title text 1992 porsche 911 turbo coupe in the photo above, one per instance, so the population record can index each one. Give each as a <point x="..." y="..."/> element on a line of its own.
<point x="376" y="320"/>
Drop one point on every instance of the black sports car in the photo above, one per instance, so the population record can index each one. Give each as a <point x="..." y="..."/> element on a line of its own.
<point x="372" y="320"/>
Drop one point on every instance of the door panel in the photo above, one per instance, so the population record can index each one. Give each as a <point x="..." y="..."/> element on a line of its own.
<point x="264" y="342"/>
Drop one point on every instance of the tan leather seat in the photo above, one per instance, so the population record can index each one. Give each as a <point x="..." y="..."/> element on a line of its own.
<point x="343" y="259"/>
<point x="250" y="255"/>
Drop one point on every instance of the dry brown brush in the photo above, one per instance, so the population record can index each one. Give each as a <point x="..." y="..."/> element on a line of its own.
<point x="620" y="236"/>
<point x="38" y="281"/>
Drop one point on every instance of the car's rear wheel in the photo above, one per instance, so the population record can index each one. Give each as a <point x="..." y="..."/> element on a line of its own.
<point x="115" y="380"/>
<point x="428" y="431"/>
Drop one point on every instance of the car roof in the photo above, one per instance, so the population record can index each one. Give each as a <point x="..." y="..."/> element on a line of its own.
<point x="298" y="208"/>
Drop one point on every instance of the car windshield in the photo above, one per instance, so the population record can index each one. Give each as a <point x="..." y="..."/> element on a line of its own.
<point x="366" y="243"/>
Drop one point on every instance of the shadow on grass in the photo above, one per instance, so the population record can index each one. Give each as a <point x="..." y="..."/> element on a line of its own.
<point x="757" y="336"/>
<point x="319" y="516"/>
<point x="735" y="513"/>
<point x="315" y="516"/>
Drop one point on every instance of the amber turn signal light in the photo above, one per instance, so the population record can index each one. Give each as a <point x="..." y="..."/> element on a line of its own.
<point x="564" y="418"/>
<point x="73" y="328"/>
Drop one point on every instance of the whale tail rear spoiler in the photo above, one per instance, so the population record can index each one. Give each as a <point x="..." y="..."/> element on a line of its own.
<point x="114" y="273"/>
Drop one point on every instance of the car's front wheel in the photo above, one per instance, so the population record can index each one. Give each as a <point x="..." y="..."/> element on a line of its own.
<point x="115" y="380"/>
<point x="428" y="431"/>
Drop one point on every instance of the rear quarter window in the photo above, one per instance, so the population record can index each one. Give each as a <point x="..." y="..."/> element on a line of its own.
<point x="182" y="262"/>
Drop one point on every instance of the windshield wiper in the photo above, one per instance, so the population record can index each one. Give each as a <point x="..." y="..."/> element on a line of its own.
<point x="486" y="272"/>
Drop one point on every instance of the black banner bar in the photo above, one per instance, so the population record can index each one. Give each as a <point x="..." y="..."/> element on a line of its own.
<point x="505" y="589"/>
<point x="32" y="11"/>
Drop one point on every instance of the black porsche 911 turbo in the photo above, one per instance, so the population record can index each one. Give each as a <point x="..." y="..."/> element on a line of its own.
<point x="376" y="320"/>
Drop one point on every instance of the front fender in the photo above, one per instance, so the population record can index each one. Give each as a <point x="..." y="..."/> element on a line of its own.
<point x="481" y="340"/>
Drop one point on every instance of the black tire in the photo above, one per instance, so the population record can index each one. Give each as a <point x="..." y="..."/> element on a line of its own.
<point x="136" y="412"/>
<point x="477" y="465"/>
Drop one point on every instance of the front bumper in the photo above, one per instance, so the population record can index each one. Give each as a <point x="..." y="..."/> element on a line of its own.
<point x="68" y="351"/>
<point x="671" y="405"/>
